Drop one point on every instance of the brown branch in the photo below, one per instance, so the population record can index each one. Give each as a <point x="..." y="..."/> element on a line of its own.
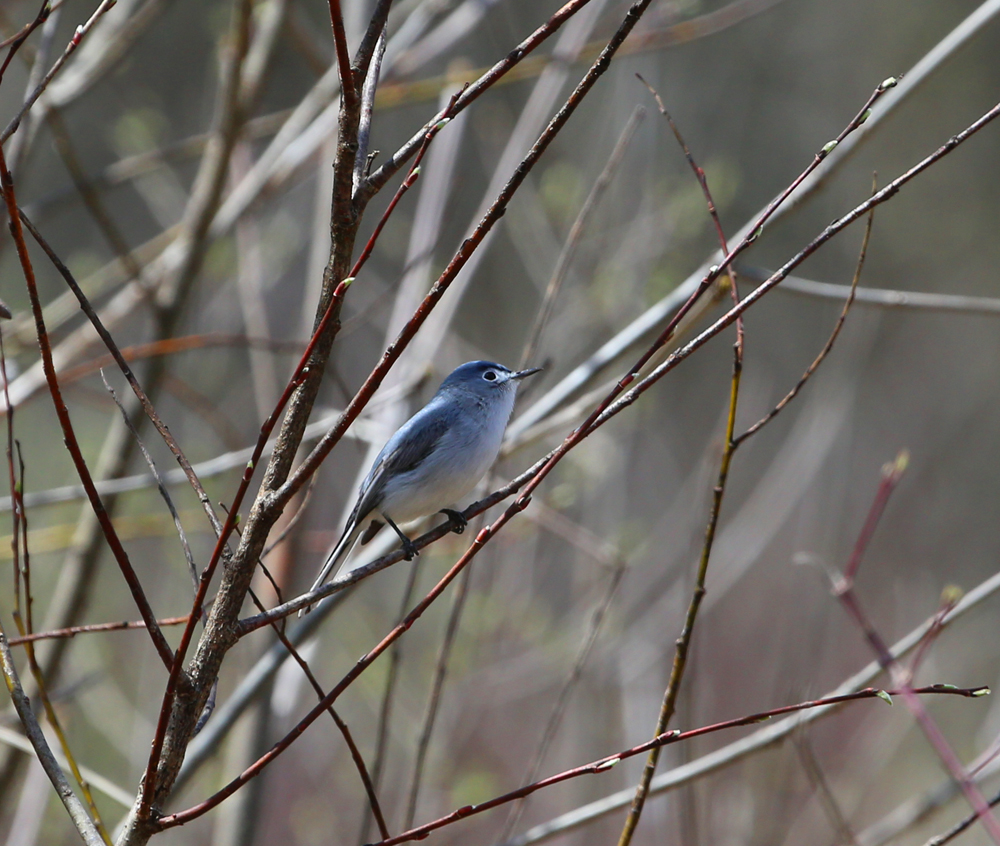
<point x="17" y="40"/>
<point x="683" y="643"/>
<point x="348" y="83"/>
<point x="73" y="631"/>
<point x="69" y="435"/>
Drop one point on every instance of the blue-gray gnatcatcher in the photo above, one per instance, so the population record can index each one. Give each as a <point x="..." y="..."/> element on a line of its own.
<point x="436" y="458"/>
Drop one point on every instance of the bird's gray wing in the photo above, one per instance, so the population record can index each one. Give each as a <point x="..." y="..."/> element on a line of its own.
<point x="406" y="449"/>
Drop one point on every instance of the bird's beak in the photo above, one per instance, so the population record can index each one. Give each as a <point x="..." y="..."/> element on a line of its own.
<point x="520" y="374"/>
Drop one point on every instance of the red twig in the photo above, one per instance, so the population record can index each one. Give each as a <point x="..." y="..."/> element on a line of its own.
<point x="73" y="631"/>
<point x="348" y="88"/>
<point x="15" y="41"/>
<point x="674" y="736"/>
<point x="69" y="435"/>
<point x="891" y="474"/>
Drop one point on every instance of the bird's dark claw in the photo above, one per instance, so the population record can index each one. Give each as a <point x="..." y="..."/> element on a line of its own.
<point x="457" y="518"/>
<point x="410" y="550"/>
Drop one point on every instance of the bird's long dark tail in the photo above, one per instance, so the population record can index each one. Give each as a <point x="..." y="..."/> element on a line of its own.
<point x="347" y="539"/>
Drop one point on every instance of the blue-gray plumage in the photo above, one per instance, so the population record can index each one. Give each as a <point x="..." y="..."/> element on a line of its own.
<point x="436" y="458"/>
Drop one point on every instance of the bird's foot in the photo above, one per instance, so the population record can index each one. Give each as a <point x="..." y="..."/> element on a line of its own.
<point x="410" y="550"/>
<point x="457" y="518"/>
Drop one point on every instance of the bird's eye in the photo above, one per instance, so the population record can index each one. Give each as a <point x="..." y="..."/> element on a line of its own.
<point x="490" y="376"/>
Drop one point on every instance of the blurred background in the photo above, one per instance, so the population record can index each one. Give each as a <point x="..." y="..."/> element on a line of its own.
<point x="577" y="604"/>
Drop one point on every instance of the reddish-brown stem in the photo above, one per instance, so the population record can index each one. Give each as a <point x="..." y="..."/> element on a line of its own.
<point x="891" y="474"/>
<point x="73" y="631"/>
<point x="16" y="40"/>
<point x="172" y="346"/>
<point x="348" y="87"/>
<point x="713" y="212"/>
<point x="674" y="736"/>
<point x="69" y="435"/>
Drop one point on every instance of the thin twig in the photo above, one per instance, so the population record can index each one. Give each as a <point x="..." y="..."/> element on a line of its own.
<point x="160" y="485"/>
<point x="814" y="772"/>
<point x="959" y="827"/>
<point x="78" y="36"/>
<point x="575" y="233"/>
<point x="73" y="631"/>
<point x="683" y="642"/>
<point x="367" y="106"/>
<point x="559" y="707"/>
<point x="882" y="297"/>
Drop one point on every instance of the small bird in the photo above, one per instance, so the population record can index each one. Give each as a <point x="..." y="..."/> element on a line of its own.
<point x="436" y="458"/>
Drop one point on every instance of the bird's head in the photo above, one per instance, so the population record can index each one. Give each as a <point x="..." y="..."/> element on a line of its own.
<point x="485" y="378"/>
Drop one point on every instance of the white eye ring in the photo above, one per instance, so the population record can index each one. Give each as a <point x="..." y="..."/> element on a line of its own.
<point x="490" y="376"/>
